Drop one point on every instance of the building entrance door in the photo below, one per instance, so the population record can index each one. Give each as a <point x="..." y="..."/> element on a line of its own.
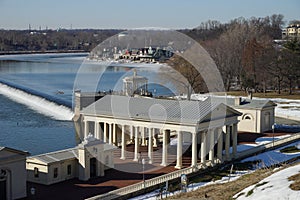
<point x="93" y="167"/>
<point x="3" y="189"/>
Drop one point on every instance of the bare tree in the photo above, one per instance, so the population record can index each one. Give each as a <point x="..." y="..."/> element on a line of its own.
<point x="183" y="75"/>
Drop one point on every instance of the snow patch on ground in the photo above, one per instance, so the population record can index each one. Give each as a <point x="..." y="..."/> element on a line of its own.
<point x="287" y="108"/>
<point x="267" y="159"/>
<point x="275" y="186"/>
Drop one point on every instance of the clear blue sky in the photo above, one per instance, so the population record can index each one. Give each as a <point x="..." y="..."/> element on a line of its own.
<point x="18" y="14"/>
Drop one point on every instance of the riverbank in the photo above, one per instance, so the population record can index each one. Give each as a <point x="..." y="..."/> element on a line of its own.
<point x="41" y="52"/>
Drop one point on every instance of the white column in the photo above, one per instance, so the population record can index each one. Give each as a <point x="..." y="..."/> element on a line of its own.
<point x="203" y="147"/>
<point x="164" y="149"/>
<point x="96" y="130"/>
<point x="154" y="138"/>
<point x="105" y="132"/>
<point x="227" y="143"/>
<point x="101" y="133"/>
<point x="194" y="149"/>
<point x="179" y="150"/>
<point x="136" y="144"/>
<point x="143" y="136"/>
<point x="86" y="128"/>
<point x="123" y="156"/>
<point x="131" y="133"/>
<point x="220" y="145"/>
<point x="110" y="133"/>
<point x="212" y="142"/>
<point x="114" y="134"/>
<point x="234" y="140"/>
<point x="150" y="145"/>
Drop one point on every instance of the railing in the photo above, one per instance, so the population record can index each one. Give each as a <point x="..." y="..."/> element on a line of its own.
<point x="176" y="174"/>
<point x="142" y="185"/>
<point x="267" y="146"/>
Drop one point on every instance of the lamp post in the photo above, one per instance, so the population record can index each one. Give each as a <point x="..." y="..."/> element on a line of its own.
<point x="273" y="130"/>
<point x="143" y="163"/>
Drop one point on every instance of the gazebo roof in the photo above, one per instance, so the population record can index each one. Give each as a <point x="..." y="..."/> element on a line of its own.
<point x="158" y="110"/>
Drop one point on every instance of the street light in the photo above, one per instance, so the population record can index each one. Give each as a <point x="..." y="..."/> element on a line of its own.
<point x="273" y="130"/>
<point x="143" y="163"/>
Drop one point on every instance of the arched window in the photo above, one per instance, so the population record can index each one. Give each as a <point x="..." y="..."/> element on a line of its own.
<point x="247" y="116"/>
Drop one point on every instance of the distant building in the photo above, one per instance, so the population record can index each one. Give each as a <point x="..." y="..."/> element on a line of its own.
<point x="12" y="173"/>
<point x="147" y="54"/>
<point x="89" y="159"/>
<point x="292" y="31"/>
<point x="258" y="115"/>
<point x="135" y="85"/>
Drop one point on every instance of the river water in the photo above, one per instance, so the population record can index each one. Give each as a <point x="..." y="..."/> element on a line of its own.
<point x="36" y="94"/>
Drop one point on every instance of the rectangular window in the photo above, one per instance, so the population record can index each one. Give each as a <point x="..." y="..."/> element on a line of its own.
<point x="36" y="172"/>
<point x="55" y="172"/>
<point x="69" y="169"/>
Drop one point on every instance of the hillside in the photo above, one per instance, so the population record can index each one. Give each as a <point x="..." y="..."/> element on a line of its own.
<point x="262" y="184"/>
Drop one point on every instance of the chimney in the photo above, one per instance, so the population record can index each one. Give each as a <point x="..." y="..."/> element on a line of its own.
<point x="237" y="101"/>
<point x="250" y="94"/>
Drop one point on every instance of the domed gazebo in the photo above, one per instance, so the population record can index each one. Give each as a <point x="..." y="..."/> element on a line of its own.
<point x="135" y="85"/>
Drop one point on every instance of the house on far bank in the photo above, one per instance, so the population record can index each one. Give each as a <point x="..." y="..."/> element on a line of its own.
<point x="258" y="115"/>
<point x="89" y="159"/>
<point x="12" y="173"/>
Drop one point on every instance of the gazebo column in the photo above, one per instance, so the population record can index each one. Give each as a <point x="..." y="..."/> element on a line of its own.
<point x="211" y="153"/>
<point x="143" y="136"/>
<point x="96" y="130"/>
<point x="110" y="133"/>
<point x="123" y="156"/>
<point x="165" y="148"/>
<point x="101" y="133"/>
<point x="115" y="134"/>
<point x="105" y="132"/>
<point x="131" y="133"/>
<point x="150" y="145"/>
<point x="179" y="150"/>
<point x="194" y="149"/>
<point x="136" y="144"/>
<point x="220" y="145"/>
<point x="234" y="140"/>
<point x="227" y="143"/>
<point x="203" y="147"/>
<point x="154" y="138"/>
<point x="86" y="128"/>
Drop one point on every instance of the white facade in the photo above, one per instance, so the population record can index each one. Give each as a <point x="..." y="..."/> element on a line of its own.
<point x="90" y="158"/>
<point x="12" y="173"/>
<point x="108" y="119"/>
<point x="258" y="115"/>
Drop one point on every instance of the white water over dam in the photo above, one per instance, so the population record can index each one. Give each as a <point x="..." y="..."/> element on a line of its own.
<point x="38" y="104"/>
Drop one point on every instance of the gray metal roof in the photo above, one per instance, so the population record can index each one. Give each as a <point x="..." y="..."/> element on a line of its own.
<point x="62" y="155"/>
<point x="247" y="103"/>
<point x="56" y="156"/>
<point x="14" y="150"/>
<point x="143" y="108"/>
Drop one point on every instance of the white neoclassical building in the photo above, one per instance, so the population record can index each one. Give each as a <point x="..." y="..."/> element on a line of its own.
<point x="120" y="120"/>
<point x="12" y="173"/>
<point x="89" y="159"/>
<point x="258" y="115"/>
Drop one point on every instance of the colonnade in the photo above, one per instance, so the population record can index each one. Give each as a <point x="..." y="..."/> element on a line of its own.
<point x="121" y="134"/>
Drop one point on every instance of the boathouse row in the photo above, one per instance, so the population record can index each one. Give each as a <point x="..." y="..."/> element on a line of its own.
<point x="122" y="120"/>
